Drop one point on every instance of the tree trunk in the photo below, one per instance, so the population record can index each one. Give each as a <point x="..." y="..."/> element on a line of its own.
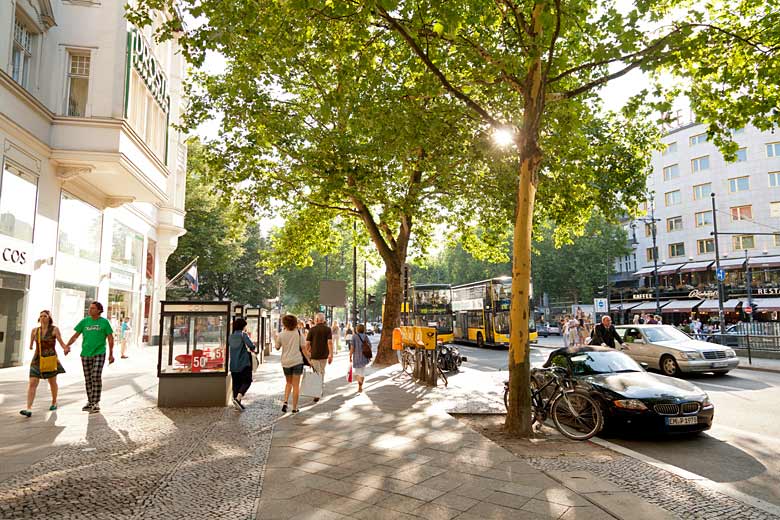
<point x="391" y="317"/>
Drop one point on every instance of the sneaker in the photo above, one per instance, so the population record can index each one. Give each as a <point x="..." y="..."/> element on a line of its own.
<point x="87" y="407"/>
<point x="316" y="399"/>
<point x="53" y="407"/>
<point x="284" y="408"/>
<point x="95" y="409"/>
<point x="295" y="411"/>
<point x="26" y="413"/>
<point x="237" y="404"/>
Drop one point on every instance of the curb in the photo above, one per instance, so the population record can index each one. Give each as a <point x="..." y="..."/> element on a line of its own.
<point x="724" y="489"/>
<point x="759" y="369"/>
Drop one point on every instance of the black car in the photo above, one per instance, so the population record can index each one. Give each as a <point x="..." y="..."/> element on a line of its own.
<point x="633" y="398"/>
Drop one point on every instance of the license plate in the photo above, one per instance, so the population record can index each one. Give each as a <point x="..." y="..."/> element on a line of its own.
<point x="681" y="421"/>
<point x="720" y="364"/>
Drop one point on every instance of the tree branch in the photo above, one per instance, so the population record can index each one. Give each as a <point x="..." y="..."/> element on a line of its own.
<point x="556" y="33"/>
<point x="512" y="80"/>
<point x="604" y="79"/>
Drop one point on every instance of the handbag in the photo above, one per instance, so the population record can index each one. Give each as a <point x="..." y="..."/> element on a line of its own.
<point x="311" y="384"/>
<point x="45" y="363"/>
<point x="349" y="376"/>
<point x="253" y="355"/>
<point x="300" y="347"/>
<point x="366" y="348"/>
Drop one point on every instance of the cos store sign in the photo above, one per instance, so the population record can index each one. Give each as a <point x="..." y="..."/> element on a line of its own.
<point x="16" y="256"/>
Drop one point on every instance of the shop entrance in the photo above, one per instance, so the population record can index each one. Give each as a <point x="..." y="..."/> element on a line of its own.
<point x="12" y="304"/>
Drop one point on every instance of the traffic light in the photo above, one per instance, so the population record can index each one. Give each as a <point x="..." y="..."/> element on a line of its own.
<point x="371" y="299"/>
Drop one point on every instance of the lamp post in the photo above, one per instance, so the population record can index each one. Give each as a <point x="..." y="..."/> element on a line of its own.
<point x="749" y="284"/>
<point x="721" y="320"/>
<point x="652" y="220"/>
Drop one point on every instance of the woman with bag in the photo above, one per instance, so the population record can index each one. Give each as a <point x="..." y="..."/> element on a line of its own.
<point x="290" y="342"/>
<point x="241" y="350"/>
<point x="360" y="354"/>
<point x="45" y="364"/>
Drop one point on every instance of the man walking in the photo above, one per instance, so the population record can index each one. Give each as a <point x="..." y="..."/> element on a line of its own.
<point x="319" y="346"/>
<point x="605" y="333"/>
<point x="96" y="330"/>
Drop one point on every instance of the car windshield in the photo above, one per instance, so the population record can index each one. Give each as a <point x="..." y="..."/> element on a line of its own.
<point x="588" y="363"/>
<point x="664" y="333"/>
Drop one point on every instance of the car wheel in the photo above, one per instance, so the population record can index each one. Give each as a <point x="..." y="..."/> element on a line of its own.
<point x="669" y="366"/>
<point x="480" y="340"/>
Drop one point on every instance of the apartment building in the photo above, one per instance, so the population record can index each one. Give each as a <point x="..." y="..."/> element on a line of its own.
<point x="93" y="174"/>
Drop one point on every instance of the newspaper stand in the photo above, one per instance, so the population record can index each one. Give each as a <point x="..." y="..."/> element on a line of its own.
<point x="423" y="340"/>
<point x="192" y="362"/>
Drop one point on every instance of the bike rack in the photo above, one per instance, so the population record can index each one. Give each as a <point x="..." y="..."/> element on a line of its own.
<point x="423" y="340"/>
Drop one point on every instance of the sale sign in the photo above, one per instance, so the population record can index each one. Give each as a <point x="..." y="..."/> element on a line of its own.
<point x="198" y="361"/>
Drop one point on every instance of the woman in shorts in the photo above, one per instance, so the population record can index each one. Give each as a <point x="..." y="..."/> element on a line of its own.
<point x="290" y="341"/>
<point x="356" y="357"/>
<point x="44" y="339"/>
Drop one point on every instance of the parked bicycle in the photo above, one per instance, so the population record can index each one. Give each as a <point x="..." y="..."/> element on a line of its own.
<point x="407" y="364"/>
<point x="575" y="414"/>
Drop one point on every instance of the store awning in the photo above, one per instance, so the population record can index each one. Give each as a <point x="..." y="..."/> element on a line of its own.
<point x="712" y="305"/>
<point x="767" y="304"/>
<point x="692" y="267"/>
<point x="681" y="306"/>
<point x="624" y="306"/>
<point x="669" y="269"/>
<point x="645" y="271"/>
<point x="759" y="262"/>
<point x="648" y="306"/>
<point x="730" y="264"/>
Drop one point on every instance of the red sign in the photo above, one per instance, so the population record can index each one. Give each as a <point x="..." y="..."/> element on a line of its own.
<point x="198" y="361"/>
<point x="748" y="309"/>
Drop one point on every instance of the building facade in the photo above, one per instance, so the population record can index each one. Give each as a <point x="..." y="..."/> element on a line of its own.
<point x="684" y="175"/>
<point x="93" y="174"/>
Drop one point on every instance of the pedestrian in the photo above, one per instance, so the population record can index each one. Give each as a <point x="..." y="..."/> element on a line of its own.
<point x="651" y="320"/>
<point x="356" y="356"/>
<point x="290" y="342"/>
<point x="240" y="362"/>
<point x="605" y="334"/>
<point x="636" y="320"/>
<point x="319" y="346"/>
<point x="97" y="331"/>
<point x="658" y="319"/>
<point x="696" y="327"/>
<point x="573" y="335"/>
<point x="336" y="331"/>
<point x="348" y="334"/>
<point x="124" y="337"/>
<point x="44" y="338"/>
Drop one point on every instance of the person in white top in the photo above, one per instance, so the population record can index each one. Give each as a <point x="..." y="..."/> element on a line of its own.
<point x="290" y="341"/>
<point x="336" y="331"/>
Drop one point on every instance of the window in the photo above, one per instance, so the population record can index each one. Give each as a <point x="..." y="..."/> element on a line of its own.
<point x="126" y="246"/>
<point x="773" y="150"/>
<point x="672" y="197"/>
<point x="705" y="245"/>
<point x="702" y="191"/>
<point x="774" y="209"/>
<point x="80" y="228"/>
<point x="77" y="84"/>
<point x="700" y="164"/>
<point x="742" y="155"/>
<point x="669" y="148"/>
<point x="739" y="184"/>
<point x="677" y="249"/>
<point x="21" y="57"/>
<point x="737" y="131"/>
<point x="741" y="242"/>
<point x="671" y="172"/>
<point x="704" y="218"/>
<point x="18" y="197"/>
<point x="697" y="139"/>
<point x="651" y="253"/>
<point x="674" y="224"/>
<point x="741" y="213"/>
<point x="648" y="229"/>
<point x="774" y="179"/>
<point x="777" y="239"/>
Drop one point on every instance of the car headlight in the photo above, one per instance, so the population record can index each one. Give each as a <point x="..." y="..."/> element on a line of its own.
<point x="730" y="353"/>
<point x="706" y="403"/>
<point x="690" y="355"/>
<point x="630" y="404"/>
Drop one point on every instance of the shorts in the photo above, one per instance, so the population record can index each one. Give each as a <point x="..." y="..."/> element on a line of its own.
<point x="359" y="371"/>
<point x="294" y="370"/>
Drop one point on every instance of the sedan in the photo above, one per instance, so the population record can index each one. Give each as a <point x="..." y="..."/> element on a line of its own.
<point x="632" y="398"/>
<point x="673" y="352"/>
<point x="548" y="329"/>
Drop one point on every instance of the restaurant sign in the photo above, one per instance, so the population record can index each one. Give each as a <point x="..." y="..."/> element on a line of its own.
<point x="642" y="296"/>
<point x="707" y="295"/>
<point x="764" y="291"/>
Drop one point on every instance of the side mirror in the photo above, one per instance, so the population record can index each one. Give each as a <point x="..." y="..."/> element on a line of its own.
<point x="644" y="365"/>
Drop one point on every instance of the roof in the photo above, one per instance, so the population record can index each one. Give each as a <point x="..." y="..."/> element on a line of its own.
<point x="431" y="286"/>
<point x="502" y="279"/>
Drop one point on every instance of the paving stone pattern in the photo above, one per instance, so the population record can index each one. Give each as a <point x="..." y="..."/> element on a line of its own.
<point x="150" y="463"/>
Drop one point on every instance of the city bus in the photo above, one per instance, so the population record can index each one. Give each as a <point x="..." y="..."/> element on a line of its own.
<point x="432" y="307"/>
<point x="481" y="313"/>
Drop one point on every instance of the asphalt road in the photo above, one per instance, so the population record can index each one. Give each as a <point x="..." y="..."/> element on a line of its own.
<point x="742" y="450"/>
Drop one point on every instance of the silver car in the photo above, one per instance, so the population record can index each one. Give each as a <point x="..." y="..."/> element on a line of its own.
<point x="672" y="351"/>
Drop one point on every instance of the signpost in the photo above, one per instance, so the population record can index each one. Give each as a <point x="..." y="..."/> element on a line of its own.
<point x="601" y="305"/>
<point x="720" y="274"/>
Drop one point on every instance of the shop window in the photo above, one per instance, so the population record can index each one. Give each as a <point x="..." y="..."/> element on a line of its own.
<point x="126" y="246"/>
<point x="705" y="246"/>
<point x="677" y="249"/>
<point x="18" y="198"/>
<point x="77" y="83"/>
<point x="741" y="242"/>
<point x="702" y="191"/>
<point x="742" y="213"/>
<point x="80" y="228"/>
<point x="700" y="164"/>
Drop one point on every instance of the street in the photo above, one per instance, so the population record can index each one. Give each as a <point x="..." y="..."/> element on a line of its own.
<point x="741" y="450"/>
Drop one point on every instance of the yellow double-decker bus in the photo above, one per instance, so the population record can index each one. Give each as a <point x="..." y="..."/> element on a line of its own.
<point x="481" y="311"/>
<point x="432" y="307"/>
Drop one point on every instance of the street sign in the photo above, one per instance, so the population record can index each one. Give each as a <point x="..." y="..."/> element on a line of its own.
<point x="748" y="309"/>
<point x="600" y="305"/>
<point x="720" y="274"/>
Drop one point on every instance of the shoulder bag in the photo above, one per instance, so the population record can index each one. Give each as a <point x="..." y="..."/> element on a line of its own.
<point x="300" y="347"/>
<point x="252" y="354"/>
<point x="366" y="348"/>
<point x="45" y="363"/>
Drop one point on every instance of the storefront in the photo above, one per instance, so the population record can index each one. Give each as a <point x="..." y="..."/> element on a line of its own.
<point x="124" y="296"/>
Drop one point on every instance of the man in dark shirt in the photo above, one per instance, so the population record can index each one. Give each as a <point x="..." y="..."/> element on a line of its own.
<point x="319" y="346"/>
<point x="605" y="333"/>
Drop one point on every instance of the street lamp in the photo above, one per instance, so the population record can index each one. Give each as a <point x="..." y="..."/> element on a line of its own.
<point x="652" y="220"/>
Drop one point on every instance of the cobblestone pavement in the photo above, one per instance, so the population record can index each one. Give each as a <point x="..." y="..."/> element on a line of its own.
<point x="150" y="463"/>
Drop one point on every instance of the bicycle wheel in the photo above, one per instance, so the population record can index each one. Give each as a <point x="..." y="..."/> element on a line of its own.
<point x="406" y="361"/>
<point x="577" y="415"/>
<point x="441" y="375"/>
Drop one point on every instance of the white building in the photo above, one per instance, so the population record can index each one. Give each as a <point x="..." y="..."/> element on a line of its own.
<point x="93" y="175"/>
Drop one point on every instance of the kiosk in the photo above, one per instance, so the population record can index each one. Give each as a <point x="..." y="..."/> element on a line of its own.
<point x="192" y="362"/>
